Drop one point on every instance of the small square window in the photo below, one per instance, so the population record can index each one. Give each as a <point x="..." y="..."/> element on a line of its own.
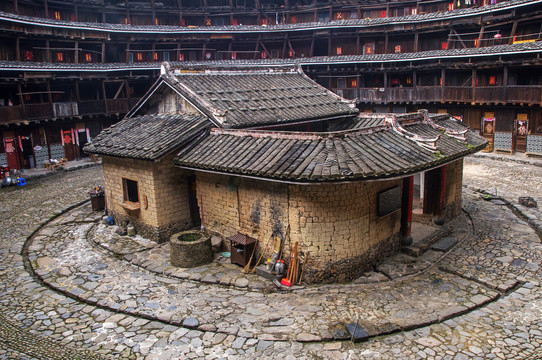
<point x="131" y="192"/>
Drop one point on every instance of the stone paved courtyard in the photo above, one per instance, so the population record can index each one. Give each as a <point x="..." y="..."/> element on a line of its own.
<point x="68" y="292"/>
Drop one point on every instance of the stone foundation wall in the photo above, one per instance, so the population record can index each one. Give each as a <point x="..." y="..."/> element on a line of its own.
<point x="163" y="195"/>
<point x="453" y="189"/>
<point x="337" y="224"/>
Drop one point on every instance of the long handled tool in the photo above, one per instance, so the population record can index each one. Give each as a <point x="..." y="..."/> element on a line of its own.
<point x="261" y="255"/>
<point x="287" y="281"/>
<point x="303" y="265"/>
<point x="246" y="269"/>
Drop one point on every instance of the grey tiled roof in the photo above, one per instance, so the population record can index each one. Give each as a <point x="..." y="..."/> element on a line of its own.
<point x="148" y="137"/>
<point x="375" y="120"/>
<point x="498" y="50"/>
<point x="249" y="98"/>
<point x="355" y="23"/>
<point x="319" y="157"/>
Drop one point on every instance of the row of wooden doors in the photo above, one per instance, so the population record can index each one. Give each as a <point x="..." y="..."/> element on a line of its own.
<point x="19" y="149"/>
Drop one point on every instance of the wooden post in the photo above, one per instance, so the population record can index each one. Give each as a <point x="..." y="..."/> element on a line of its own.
<point x="480" y="36"/>
<point x="76" y="52"/>
<point x="505" y="84"/>
<point x="386" y="43"/>
<point x="385" y="86"/>
<point x="48" y="54"/>
<point x="474" y="80"/>
<point x="406" y="211"/>
<point x="50" y="98"/>
<point x="414" y="85"/>
<point x="18" y="48"/>
<point x="105" y="97"/>
<point x="358" y="44"/>
<point x="416" y="36"/>
<point x="443" y="81"/>
<point x="21" y="101"/>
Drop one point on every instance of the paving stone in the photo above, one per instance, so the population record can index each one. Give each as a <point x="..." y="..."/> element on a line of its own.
<point x="444" y="244"/>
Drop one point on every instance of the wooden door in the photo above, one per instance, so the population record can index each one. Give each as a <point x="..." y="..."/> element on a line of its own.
<point x="67" y="141"/>
<point x="12" y="153"/>
<point x="521" y="130"/>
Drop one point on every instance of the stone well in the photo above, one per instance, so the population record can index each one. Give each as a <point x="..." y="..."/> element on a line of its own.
<point x="190" y="249"/>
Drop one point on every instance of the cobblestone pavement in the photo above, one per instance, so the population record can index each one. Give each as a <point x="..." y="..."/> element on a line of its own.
<point x="91" y="298"/>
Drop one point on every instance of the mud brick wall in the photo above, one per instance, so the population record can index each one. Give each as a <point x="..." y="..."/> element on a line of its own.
<point x="337" y="224"/>
<point x="163" y="195"/>
<point x="453" y="188"/>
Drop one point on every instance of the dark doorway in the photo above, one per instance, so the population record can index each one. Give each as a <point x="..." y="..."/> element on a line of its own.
<point x="82" y="138"/>
<point x="28" y="152"/>
<point x="193" y="201"/>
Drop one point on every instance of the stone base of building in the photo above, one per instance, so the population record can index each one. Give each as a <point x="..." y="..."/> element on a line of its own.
<point x="159" y="234"/>
<point x="350" y="269"/>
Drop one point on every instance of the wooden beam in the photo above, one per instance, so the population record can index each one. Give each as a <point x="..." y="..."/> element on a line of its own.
<point x="461" y="40"/>
<point x="480" y="36"/>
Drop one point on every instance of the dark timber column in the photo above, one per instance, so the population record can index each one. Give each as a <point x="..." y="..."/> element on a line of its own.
<point x="474" y="81"/>
<point x="415" y="96"/>
<point x="385" y="86"/>
<point x="439" y="218"/>
<point x="17" y="48"/>
<point x="505" y="84"/>
<point x="406" y="211"/>
<point x="443" y="82"/>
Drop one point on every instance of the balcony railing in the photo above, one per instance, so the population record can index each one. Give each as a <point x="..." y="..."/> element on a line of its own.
<point x="39" y="111"/>
<point x="524" y="94"/>
<point x="117" y="106"/>
<point x="377" y="95"/>
<point x="65" y="109"/>
<point x="420" y="94"/>
<point x="457" y="93"/>
<point x="10" y="114"/>
<point x="494" y="94"/>
<point x="91" y="107"/>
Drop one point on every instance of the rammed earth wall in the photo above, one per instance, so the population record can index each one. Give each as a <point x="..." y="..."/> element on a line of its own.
<point x="163" y="195"/>
<point x="338" y="224"/>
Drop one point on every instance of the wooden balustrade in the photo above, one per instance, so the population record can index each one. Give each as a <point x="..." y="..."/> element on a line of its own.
<point x="524" y="94"/>
<point x="377" y="95"/>
<point x="10" y="114"/>
<point x="117" y="106"/>
<point x="65" y="109"/>
<point x="491" y="94"/>
<point x="458" y="93"/>
<point x="38" y="111"/>
<point x="91" y="107"/>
